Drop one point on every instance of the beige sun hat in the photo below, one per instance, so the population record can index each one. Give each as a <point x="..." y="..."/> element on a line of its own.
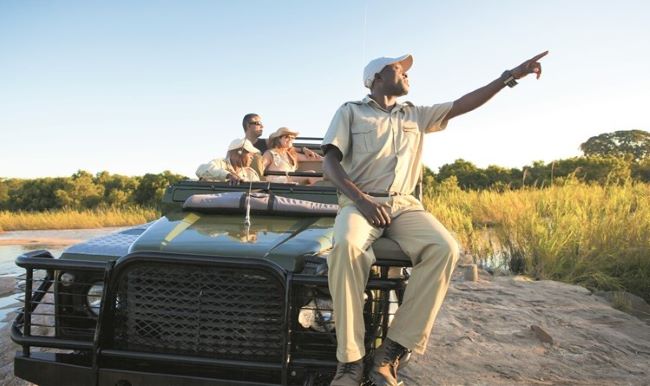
<point x="243" y="144"/>
<point x="376" y="65"/>
<point x="283" y="131"/>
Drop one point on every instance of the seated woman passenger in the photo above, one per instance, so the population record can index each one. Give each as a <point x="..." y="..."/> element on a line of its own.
<point x="235" y="168"/>
<point x="283" y="157"/>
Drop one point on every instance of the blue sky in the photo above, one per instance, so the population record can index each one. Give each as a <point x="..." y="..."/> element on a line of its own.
<point x="137" y="87"/>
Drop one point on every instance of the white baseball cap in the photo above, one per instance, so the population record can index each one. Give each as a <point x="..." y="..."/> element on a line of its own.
<point x="243" y="144"/>
<point x="376" y="65"/>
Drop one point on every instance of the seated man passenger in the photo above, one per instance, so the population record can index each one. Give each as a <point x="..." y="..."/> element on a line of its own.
<point x="253" y="129"/>
<point x="283" y="157"/>
<point x="235" y="168"/>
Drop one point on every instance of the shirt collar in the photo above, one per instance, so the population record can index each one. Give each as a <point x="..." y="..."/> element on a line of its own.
<point x="398" y="106"/>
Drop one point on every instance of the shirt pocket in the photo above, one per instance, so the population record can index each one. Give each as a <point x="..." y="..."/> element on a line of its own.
<point x="410" y="133"/>
<point x="364" y="138"/>
<point x="410" y="128"/>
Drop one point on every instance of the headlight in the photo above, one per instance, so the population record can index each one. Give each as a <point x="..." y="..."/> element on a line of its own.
<point x="94" y="297"/>
<point x="66" y="279"/>
<point x="317" y="315"/>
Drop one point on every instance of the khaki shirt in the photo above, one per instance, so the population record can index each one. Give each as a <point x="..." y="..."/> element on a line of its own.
<point x="219" y="168"/>
<point x="382" y="150"/>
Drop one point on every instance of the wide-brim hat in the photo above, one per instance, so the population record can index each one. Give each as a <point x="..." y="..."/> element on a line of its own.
<point x="283" y="131"/>
<point x="376" y="65"/>
<point x="243" y="144"/>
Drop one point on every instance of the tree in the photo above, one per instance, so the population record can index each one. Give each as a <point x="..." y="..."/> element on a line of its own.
<point x="36" y="194"/>
<point x="599" y="169"/>
<point x="152" y="187"/>
<point x="540" y="174"/>
<point x="634" y="144"/>
<point x="4" y="193"/>
<point x="118" y="189"/>
<point x="500" y="178"/>
<point x="79" y="192"/>
<point x="641" y="170"/>
<point x="428" y="181"/>
<point x="468" y="175"/>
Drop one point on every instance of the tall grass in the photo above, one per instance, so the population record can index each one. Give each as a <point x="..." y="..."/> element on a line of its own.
<point x="76" y="219"/>
<point x="596" y="236"/>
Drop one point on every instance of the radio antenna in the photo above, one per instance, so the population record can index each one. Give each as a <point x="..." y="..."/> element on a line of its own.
<point x="364" y="33"/>
<point x="247" y="217"/>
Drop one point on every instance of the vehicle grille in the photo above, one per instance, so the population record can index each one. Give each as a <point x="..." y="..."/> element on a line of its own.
<point x="202" y="310"/>
<point x="314" y="334"/>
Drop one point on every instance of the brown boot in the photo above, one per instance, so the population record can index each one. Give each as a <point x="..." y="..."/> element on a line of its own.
<point x="385" y="364"/>
<point x="348" y="374"/>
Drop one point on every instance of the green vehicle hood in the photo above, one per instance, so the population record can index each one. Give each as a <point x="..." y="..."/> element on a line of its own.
<point x="283" y="240"/>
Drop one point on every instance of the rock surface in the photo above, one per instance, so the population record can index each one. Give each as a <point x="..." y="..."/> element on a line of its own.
<point x="484" y="336"/>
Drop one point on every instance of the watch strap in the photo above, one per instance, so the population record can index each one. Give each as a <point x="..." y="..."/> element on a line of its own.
<point x="509" y="79"/>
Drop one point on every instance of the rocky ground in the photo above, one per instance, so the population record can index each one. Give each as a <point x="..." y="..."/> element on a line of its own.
<point x="510" y="331"/>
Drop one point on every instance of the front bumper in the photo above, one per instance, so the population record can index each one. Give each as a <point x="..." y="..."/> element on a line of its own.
<point x="111" y="357"/>
<point x="76" y="370"/>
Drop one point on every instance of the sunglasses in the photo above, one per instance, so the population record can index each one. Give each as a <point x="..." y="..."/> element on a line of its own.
<point x="258" y="123"/>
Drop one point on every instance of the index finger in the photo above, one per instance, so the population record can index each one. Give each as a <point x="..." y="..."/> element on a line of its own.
<point x="538" y="56"/>
<point x="384" y="215"/>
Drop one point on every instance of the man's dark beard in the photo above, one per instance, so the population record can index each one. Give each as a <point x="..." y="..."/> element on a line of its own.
<point x="398" y="90"/>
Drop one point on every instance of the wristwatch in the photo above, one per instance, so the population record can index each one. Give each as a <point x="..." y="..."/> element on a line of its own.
<point x="508" y="78"/>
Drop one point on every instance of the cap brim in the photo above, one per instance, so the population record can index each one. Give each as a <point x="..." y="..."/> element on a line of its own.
<point x="247" y="145"/>
<point x="251" y="149"/>
<point x="377" y="65"/>
<point x="406" y="61"/>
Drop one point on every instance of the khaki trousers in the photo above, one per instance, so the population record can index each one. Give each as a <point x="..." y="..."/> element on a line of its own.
<point x="433" y="252"/>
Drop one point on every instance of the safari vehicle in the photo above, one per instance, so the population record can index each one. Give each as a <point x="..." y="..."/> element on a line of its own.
<point x="229" y="287"/>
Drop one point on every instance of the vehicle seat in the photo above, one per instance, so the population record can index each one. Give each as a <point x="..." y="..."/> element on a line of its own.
<point x="389" y="254"/>
<point x="315" y="165"/>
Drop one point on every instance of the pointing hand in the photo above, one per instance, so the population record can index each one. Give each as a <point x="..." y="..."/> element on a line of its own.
<point x="530" y="66"/>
